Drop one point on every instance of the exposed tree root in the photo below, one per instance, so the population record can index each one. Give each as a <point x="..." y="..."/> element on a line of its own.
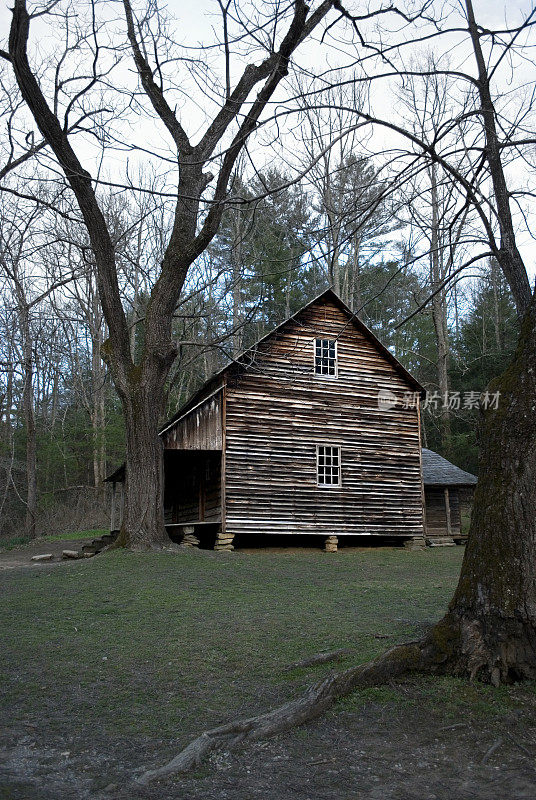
<point x="313" y="703"/>
<point x="495" y="648"/>
<point x="320" y="658"/>
<point x="458" y="644"/>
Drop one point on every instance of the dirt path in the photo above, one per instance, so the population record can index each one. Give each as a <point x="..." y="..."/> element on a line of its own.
<point x="382" y="752"/>
<point x="22" y="556"/>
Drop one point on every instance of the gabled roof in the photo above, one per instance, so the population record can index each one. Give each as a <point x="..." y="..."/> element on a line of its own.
<point x="437" y="471"/>
<point x="242" y="359"/>
<point x="215" y="383"/>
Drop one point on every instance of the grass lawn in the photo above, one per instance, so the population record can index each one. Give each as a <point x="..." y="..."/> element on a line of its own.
<point x="163" y="646"/>
<point x="65" y="537"/>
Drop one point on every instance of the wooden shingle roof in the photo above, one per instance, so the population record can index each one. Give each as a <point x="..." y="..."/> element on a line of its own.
<point x="437" y="471"/>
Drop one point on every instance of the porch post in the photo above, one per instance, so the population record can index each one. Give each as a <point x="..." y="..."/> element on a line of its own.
<point x="447" y="511"/>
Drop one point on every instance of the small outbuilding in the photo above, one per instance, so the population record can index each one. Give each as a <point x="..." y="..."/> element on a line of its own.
<point x="447" y="489"/>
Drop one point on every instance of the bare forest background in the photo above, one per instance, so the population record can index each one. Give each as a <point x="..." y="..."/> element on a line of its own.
<point x="395" y="244"/>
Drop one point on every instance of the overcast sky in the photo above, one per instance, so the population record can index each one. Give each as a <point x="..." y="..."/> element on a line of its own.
<point x="195" y="21"/>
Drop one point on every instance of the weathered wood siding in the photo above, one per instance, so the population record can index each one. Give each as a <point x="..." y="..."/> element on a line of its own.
<point x="199" y="429"/>
<point x="436" y="515"/>
<point x="278" y="410"/>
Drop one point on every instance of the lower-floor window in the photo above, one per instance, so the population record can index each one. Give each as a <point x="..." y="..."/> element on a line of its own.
<point x="328" y="465"/>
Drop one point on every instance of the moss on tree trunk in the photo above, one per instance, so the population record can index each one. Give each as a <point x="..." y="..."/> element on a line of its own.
<point x="143" y="521"/>
<point x="492" y="616"/>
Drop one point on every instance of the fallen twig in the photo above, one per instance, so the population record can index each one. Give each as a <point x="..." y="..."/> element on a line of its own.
<point x="488" y="754"/>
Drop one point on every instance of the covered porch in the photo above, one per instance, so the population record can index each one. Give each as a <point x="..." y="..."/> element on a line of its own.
<point x="193" y="469"/>
<point x="192" y="496"/>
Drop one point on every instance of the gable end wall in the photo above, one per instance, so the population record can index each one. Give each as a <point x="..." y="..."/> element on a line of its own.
<point x="278" y="411"/>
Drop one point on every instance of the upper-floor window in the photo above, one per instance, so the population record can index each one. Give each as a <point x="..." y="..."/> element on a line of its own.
<point x="326" y="357"/>
<point x="328" y="465"/>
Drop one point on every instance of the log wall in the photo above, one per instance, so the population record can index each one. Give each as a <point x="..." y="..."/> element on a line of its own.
<point x="277" y="412"/>
<point x="198" y="429"/>
<point x="436" y="515"/>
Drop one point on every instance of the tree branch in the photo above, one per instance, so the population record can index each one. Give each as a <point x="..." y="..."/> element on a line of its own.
<point x="299" y="30"/>
<point x="79" y="179"/>
<point x="153" y="91"/>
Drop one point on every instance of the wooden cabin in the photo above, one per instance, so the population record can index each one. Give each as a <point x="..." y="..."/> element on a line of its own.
<point x="314" y="431"/>
<point x="447" y="489"/>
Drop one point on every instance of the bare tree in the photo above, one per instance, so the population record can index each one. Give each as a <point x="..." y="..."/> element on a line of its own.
<point x="30" y="279"/>
<point x="141" y="384"/>
<point x="87" y="304"/>
<point x="432" y="205"/>
<point x="355" y="215"/>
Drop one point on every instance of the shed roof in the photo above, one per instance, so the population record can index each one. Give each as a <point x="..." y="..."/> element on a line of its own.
<point x="437" y="471"/>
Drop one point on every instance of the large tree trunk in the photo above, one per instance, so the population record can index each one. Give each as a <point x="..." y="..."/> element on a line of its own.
<point x="143" y="521"/>
<point x="495" y="278"/>
<point x="490" y="629"/>
<point x="98" y="412"/>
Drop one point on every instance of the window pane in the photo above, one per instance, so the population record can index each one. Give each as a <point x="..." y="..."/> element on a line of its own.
<point x="328" y="466"/>
<point x="325" y="357"/>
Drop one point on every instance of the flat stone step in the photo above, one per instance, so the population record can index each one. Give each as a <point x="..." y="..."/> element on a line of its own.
<point x="95" y="546"/>
<point x="89" y="548"/>
<point x="43" y="557"/>
<point x="441" y="541"/>
<point x="71" y="554"/>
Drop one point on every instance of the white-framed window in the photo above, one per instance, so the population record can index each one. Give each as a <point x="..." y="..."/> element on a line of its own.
<point x="328" y="465"/>
<point x="326" y="357"/>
